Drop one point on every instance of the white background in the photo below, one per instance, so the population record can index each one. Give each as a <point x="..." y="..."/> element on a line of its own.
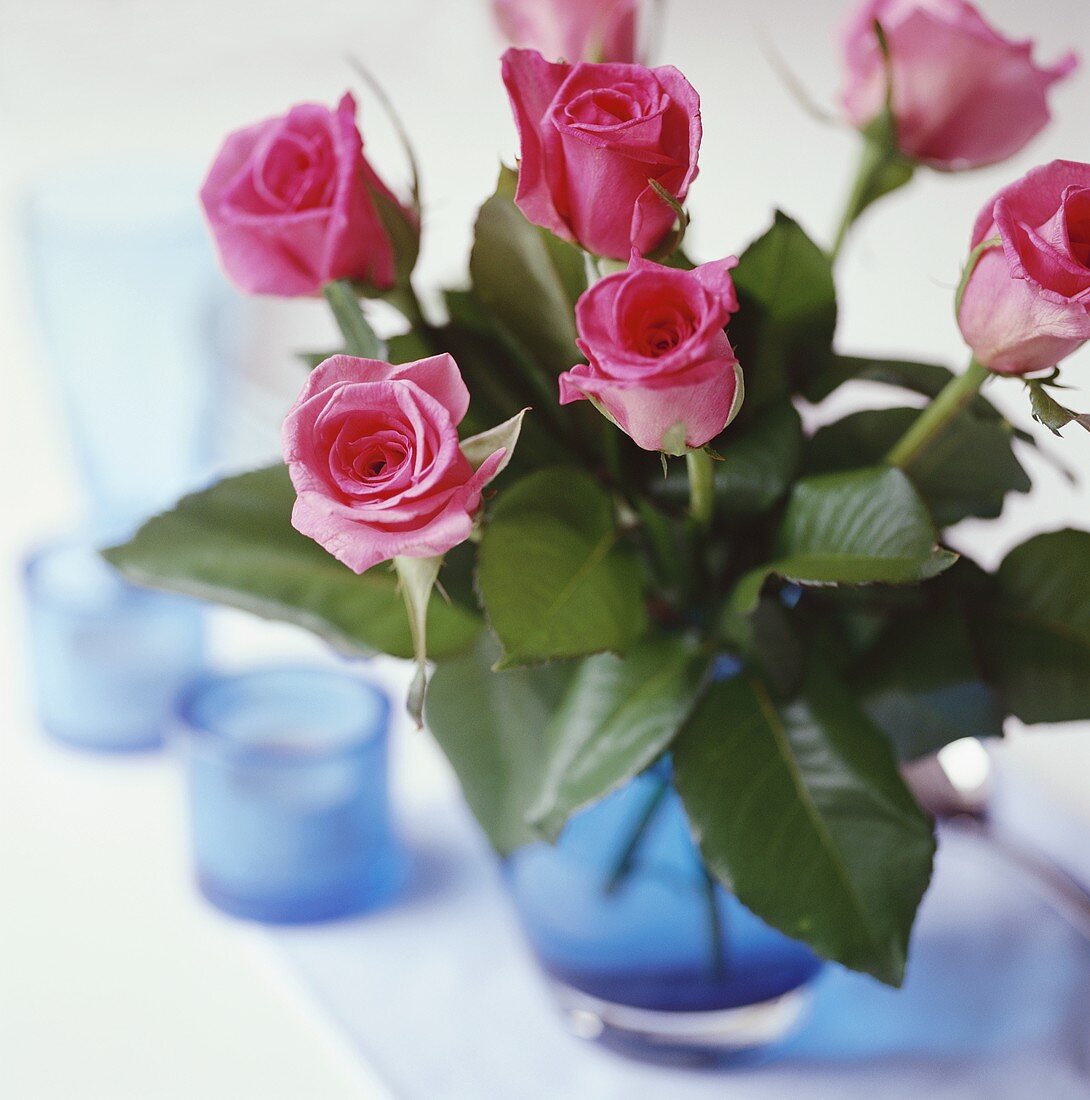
<point x="114" y="982"/>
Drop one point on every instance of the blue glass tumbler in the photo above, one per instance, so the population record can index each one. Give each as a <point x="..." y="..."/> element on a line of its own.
<point x="136" y="325"/>
<point x="644" y="950"/>
<point x="107" y="660"/>
<point x="287" y="771"/>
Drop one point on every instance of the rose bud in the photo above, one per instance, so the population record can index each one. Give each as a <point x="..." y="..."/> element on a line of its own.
<point x="1026" y="304"/>
<point x="963" y="95"/>
<point x="374" y="456"/>
<point x="660" y="365"/>
<point x="592" y="137"/>
<point x="572" y="30"/>
<point x="292" y="204"/>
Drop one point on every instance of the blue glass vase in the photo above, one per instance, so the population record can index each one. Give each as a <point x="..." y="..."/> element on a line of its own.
<point x="642" y="947"/>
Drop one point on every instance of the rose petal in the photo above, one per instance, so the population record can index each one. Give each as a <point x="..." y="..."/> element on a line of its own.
<point x="531" y="84"/>
<point x="963" y="95"/>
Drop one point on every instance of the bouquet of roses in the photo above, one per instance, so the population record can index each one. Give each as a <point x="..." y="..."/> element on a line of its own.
<point x="580" y="487"/>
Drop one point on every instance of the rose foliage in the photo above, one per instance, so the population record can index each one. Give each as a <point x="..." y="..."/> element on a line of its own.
<point x="579" y="479"/>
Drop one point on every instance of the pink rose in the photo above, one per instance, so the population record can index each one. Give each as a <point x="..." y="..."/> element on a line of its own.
<point x="963" y="95"/>
<point x="592" y="137"/>
<point x="661" y="366"/>
<point x="374" y="456"/>
<point x="573" y="30"/>
<point x="291" y="204"/>
<point x="1026" y="305"/>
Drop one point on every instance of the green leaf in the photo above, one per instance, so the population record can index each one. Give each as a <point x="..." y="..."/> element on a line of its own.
<point x="1035" y="637"/>
<point x="617" y="717"/>
<point x="359" y="338"/>
<point x="863" y="527"/>
<point x="524" y="278"/>
<point x="503" y="370"/>
<point x="494" y="379"/>
<point x="667" y="544"/>
<point x="783" y="332"/>
<point x="403" y="231"/>
<point x="759" y="461"/>
<point x="678" y="259"/>
<point x="921" y="684"/>
<point x="418" y="577"/>
<point x="770" y="642"/>
<point x="491" y="727"/>
<point x="967" y="471"/>
<point x="1049" y="412"/>
<point x="408" y="347"/>
<point x="480" y="447"/>
<point x="801" y="811"/>
<point x="554" y="578"/>
<point x="234" y="544"/>
<point x="928" y="379"/>
<point x="497" y="388"/>
<point x="314" y="358"/>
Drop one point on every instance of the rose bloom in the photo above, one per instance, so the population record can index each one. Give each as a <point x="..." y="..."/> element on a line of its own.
<point x="290" y="202"/>
<point x="373" y="454"/>
<point x="572" y="30"/>
<point x="1026" y="305"/>
<point x="592" y="136"/>
<point x="660" y="365"/>
<point x="963" y="95"/>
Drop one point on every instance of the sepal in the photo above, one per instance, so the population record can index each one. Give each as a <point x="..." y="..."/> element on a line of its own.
<point x="418" y="577"/>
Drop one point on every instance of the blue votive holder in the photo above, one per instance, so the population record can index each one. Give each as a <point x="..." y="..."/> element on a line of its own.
<point x="287" y="776"/>
<point x="107" y="660"/>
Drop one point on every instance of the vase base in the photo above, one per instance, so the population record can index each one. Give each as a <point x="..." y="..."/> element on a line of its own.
<point x="700" y="1036"/>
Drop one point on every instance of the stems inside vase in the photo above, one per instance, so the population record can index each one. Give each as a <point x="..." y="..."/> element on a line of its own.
<point x="623" y="867"/>
<point x="716" y="927"/>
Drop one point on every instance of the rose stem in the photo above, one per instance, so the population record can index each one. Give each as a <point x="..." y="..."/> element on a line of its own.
<point x="623" y="867"/>
<point x="938" y="416"/>
<point x="403" y="298"/>
<point x="877" y="158"/>
<point x="359" y="338"/>
<point x="715" y="924"/>
<point x="701" y="486"/>
<point x="870" y="164"/>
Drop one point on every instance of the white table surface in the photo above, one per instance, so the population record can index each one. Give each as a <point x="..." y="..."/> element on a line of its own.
<point x="114" y="981"/>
